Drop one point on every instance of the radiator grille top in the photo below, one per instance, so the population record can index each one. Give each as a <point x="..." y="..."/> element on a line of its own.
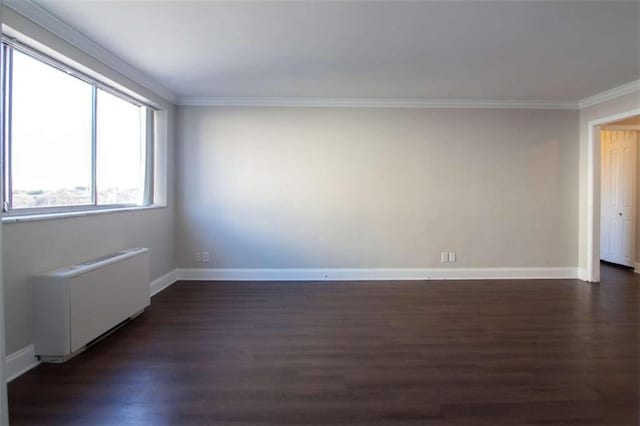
<point x="93" y="264"/>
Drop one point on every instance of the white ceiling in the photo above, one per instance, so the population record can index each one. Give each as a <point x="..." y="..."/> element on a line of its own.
<point x="556" y="51"/>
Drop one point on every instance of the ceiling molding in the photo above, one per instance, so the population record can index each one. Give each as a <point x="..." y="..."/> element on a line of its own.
<point x="608" y="95"/>
<point x="373" y="103"/>
<point x="46" y="20"/>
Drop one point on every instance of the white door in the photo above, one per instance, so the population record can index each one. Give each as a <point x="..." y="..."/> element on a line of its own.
<point x="618" y="213"/>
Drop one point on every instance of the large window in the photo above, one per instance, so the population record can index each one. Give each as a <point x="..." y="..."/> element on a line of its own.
<point x="71" y="143"/>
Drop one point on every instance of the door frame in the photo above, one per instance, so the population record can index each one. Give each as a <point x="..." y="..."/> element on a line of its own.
<point x="594" y="151"/>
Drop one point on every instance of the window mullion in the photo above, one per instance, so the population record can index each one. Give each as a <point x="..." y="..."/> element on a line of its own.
<point x="94" y="145"/>
<point x="149" y="156"/>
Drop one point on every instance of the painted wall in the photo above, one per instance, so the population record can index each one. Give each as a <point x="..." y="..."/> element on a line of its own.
<point x="619" y="105"/>
<point x="376" y="188"/>
<point x="34" y="247"/>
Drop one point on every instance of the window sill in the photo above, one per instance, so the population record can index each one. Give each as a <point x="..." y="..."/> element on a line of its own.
<point x="65" y="215"/>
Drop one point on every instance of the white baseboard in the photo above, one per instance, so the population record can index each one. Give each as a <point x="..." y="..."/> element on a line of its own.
<point x="20" y="362"/>
<point x="350" y="274"/>
<point x="636" y="268"/>
<point x="163" y="282"/>
<point x="583" y="275"/>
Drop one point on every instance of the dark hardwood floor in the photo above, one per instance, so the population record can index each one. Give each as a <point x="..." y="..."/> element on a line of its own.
<point x="368" y="353"/>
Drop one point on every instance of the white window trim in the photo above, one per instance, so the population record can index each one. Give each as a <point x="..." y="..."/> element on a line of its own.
<point x="36" y="217"/>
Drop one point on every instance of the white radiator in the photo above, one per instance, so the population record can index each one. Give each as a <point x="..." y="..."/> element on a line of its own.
<point x="74" y="305"/>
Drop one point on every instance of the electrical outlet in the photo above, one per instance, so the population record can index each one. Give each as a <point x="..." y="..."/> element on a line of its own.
<point x="205" y="256"/>
<point x="198" y="256"/>
<point x="452" y="257"/>
<point x="444" y="257"/>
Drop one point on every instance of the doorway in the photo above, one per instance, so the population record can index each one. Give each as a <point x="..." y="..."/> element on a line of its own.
<point x="590" y="240"/>
<point x="619" y="239"/>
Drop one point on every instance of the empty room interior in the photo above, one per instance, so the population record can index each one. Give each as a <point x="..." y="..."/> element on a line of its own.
<point x="320" y="213"/>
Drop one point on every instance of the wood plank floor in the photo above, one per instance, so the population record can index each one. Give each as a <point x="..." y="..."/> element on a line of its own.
<point x="367" y="353"/>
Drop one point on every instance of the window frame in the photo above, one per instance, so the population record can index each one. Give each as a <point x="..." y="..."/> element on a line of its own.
<point x="7" y="46"/>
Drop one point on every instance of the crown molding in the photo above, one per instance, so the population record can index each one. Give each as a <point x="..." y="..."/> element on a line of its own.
<point x="609" y="95"/>
<point x="51" y="23"/>
<point x="373" y="103"/>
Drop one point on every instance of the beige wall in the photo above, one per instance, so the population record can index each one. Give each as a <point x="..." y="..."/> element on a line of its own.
<point x="376" y="188"/>
<point x="34" y="247"/>
<point x="619" y="105"/>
